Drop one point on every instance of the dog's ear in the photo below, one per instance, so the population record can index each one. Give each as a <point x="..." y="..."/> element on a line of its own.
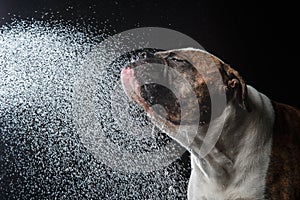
<point x="235" y="86"/>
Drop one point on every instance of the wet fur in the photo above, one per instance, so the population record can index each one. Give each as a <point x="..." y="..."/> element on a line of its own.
<point x="257" y="155"/>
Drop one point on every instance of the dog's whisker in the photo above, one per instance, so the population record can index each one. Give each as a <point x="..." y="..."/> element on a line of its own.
<point x="165" y="72"/>
<point x="153" y="131"/>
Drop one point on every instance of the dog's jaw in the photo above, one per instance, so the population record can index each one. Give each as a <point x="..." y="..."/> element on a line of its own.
<point x="133" y="91"/>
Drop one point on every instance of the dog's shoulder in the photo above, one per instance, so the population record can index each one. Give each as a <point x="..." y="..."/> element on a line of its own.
<point x="283" y="177"/>
<point x="287" y="121"/>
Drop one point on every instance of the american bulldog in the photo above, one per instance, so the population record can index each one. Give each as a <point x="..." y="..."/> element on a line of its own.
<point x="257" y="153"/>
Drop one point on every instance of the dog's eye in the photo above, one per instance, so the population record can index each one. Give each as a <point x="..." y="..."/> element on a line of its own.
<point x="175" y="59"/>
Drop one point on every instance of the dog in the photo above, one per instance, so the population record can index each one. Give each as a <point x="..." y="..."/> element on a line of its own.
<point x="257" y="154"/>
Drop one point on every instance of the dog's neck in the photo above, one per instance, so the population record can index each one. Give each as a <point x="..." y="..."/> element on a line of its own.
<point x="242" y="146"/>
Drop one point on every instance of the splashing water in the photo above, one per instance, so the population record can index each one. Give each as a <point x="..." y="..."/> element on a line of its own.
<point x="49" y="81"/>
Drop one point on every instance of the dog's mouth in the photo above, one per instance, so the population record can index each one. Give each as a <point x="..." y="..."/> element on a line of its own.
<point x="149" y="86"/>
<point x="153" y="80"/>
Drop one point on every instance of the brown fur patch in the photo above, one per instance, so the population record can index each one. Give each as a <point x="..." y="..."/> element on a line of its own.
<point x="283" y="177"/>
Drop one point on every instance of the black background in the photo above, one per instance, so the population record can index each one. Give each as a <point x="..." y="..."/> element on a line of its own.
<point x="258" y="39"/>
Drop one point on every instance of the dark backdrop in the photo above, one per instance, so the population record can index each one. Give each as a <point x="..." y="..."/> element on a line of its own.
<point x="258" y="39"/>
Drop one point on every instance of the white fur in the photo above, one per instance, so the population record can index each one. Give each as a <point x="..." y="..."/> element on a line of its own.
<point x="236" y="167"/>
<point x="244" y="178"/>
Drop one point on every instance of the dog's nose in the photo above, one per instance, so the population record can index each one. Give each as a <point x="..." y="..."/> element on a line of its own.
<point x="146" y="54"/>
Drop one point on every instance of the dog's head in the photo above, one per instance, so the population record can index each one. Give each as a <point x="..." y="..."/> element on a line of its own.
<point x="182" y="78"/>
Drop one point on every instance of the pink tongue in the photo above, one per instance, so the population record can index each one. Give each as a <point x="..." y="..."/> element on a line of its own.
<point x="128" y="81"/>
<point x="132" y="88"/>
<point x="127" y="72"/>
<point x="127" y="77"/>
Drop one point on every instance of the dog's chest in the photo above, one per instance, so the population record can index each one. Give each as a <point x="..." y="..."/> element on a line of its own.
<point x="240" y="185"/>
